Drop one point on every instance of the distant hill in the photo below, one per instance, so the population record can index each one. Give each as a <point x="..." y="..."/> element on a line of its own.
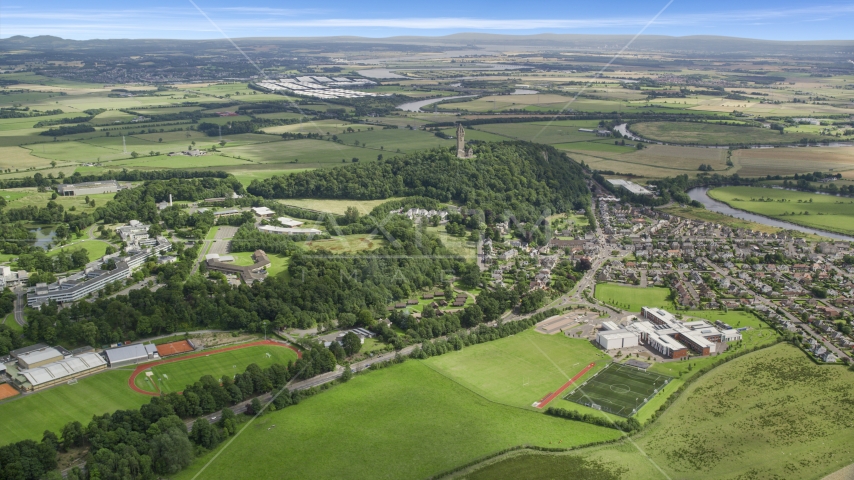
<point x="704" y="44"/>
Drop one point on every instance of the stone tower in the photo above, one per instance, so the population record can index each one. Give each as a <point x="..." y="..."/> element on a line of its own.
<point x="461" y="142"/>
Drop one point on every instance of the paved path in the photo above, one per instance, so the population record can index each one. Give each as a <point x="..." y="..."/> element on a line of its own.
<point x="19" y="307"/>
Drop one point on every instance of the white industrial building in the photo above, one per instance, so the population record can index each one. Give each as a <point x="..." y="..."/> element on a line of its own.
<point x="289" y="222"/>
<point x="61" y="371"/>
<point x="131" y="354"/>
<point x="87" y="188"/>
<point x="289" y="231"/>
<point x="630" y="187"/>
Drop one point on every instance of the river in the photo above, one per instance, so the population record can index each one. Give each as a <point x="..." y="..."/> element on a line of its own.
<point x="416" y="106"/>
<point x="701" y="195"/>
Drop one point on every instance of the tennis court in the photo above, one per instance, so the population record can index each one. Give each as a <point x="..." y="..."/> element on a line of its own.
<point x="619" y="389"/>
<point x="174" y="348"/>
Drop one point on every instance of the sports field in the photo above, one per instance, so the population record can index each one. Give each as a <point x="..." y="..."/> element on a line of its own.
<point x="406" y="421"/>
<point x="633" y="298"/>
<point x="175" y="376"/>
<point x="521" y="369"/>
<point x="28" y="416"/>
<point x="618" y="389"/>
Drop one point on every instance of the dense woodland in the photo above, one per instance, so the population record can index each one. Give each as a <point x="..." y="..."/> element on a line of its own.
<point x="518" y="177"/>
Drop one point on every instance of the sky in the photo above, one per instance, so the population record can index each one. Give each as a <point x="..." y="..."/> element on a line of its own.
<point x="205" y="19"/>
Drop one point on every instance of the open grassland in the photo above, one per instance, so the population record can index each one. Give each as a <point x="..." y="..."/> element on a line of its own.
<point x="521" y="369"/>
<point x="346" y="243"/>
<point x="18" y="158"/>
<point x="788" y="161"/>
<point x="28" y="416"/>
<point x="175" y="376"/>
<point x="633" y="298"/>
<point x="26" y="197"/>
<point x="769" y="414"/>
<point x="337" y="206"/>
<point x="315" y="127"/>
<point x="826" y="212"/>
<point x="533" y="464"/>
<point x="406" y="421"/>
<point x="713" y="133"/>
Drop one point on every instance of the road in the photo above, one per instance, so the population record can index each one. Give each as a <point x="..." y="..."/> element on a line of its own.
<point x="19" y="307"/>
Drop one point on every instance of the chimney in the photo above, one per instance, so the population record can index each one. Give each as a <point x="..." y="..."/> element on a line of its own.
<point x="170" y="199"/>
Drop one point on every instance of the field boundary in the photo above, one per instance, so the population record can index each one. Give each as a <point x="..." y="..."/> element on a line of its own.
<point x="145" y="366"/>
<point x="548" y="398"/>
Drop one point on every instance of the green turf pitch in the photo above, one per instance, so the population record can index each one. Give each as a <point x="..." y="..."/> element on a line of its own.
<point x="619" y="389"/>
<point x="175" y="376"/>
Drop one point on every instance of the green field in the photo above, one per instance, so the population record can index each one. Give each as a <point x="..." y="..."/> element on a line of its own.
<point x="278" y="263"/>
<point x="685" y="133"/>
<point x="521" y="369"/>
<point x="406" y="421"/>
<point x="633" y="298"/>
<point x="302" y="153"/>
<point x="28" y="416"/>
<point x="175" y="376"/>
<point x="770" y="414"/>
<point x="824" y="212"/>
<point x="532" y="464"/>
<point x="618" y="389"/>
<point x="95" y="248"/>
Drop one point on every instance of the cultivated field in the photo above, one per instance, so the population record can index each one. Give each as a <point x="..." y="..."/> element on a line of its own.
<point x="713" y="133"/>
<point x="175" y="376"/>
<point x="337" y="206"/>
<point x="653" y="161"/>
<point x="407" y="421"/>
<point x="825" y="212"/>
<point x="618" y="389"/>
<point x="788" y="161"/>
<point x="521" y="369"/>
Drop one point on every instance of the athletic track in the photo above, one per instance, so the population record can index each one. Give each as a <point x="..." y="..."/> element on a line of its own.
<point x="548" y="398"/>
<point x="145" y="366"/>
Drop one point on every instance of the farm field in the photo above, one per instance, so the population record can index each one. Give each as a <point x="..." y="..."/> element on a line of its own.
<point x="174" y="377"/>
<point x="301" y="153"/>
<point x="652" y="161"/>
<point x="633" y="298"/>
<point x="379" y="412"/>
<point x="388" y="142"/>
<point x="27" y="417"/>
<point x="788" y="161"/>
<point x="543" y="132"/>
<point x="713" y="133"/>
<point x="815" y="210"/>
<point x="521" y="369"/>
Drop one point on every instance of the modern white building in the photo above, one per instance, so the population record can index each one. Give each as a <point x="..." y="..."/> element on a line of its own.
<point x="630" y="187"/>
<point x="614" y="339"/>
<point x="288" y="230"/>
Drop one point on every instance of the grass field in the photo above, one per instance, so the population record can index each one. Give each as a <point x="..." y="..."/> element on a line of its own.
<point x="278" y="263"/>
<point x="825" y="212"/>
<point x="401" y="422"/>
<point x="174" y="377"/>
<point x="25" y="197"/>
<point x="713" y="133"/>
<point x="521" y="369"/>
<point x="633" y="298"/>
<point x="618" y="389"/>
<point x="770" y="414"/>
<point x="30" y="415"/>
<point x="347" y="243"/>
<point x="302" y="153"/>
<point x="653" y="161"/>
<point x="95" y="248"/>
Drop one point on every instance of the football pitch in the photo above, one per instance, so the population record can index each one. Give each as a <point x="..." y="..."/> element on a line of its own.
<point x="619" y="389"/>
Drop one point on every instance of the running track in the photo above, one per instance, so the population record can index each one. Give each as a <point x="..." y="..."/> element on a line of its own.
<point x="145" y="366"/>
<point x="548" y="398"/>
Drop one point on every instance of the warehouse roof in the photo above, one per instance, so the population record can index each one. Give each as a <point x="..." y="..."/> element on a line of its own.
<point x="63" y="368"/>
<point x="130" y="352"/>
<point x="41" y="355"/>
